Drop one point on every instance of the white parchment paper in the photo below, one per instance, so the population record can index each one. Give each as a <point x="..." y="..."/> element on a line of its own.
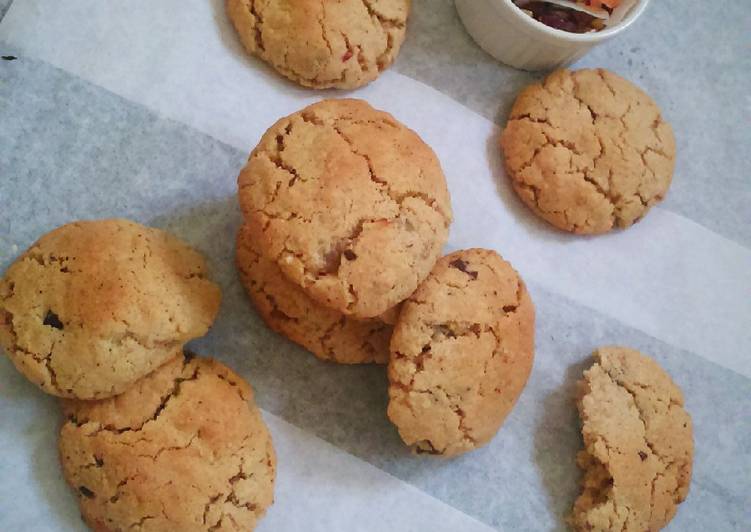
<point x="665" y="282"/>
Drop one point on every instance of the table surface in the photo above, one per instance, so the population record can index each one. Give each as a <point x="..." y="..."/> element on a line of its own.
<point x="80" y="138"/>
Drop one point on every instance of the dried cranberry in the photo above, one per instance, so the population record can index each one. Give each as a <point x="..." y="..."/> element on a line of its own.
<point x="560" y="18"/>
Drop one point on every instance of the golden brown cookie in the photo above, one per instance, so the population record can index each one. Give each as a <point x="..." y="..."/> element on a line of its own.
<point x="93" y="306"/>
<point x="351" y="205"/>
<point x="343" y="44"/>
<point x="461" y="353"/>
<point x="638" y="444"/>
<point x="185" y="448"/>
<point x="588" y="151"/>
<point x="286" y="309"/>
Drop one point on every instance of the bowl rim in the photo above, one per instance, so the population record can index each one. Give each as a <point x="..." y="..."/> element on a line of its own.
<point x="594" y="37"/>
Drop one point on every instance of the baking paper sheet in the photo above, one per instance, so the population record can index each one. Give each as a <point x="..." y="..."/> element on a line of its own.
<point x="192" y="69"/>
<point x="167" y="151"/>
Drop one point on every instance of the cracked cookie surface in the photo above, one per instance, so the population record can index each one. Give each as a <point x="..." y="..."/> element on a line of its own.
<point x="93" y="306"/>
<point x="185" y="448"/>
<point x="638" y="443"/>
<point x="351" y="205"/>
<point x="461" y="353"/>
<point x="321" y="44"/>
<point x="286" y="309"/>
<point x="588" y="151"/>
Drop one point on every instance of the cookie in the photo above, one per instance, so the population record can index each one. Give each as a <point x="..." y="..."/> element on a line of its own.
<point x="343" y="44"/>
<point x="461" y="353"/>
<point x="588" y="151"/>
<point x="93" y="306"/>
<point x="351" y="205"/>
<point x="286" y="309"/>
<point x="638" y="444"/>
<point x="184" y="449"/>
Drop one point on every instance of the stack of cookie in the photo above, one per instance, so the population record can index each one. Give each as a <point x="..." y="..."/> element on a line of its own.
<point x="346" y="214"/>
<point x="97" y="313"/>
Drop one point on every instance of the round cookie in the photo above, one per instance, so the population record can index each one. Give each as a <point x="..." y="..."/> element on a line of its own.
<point x="638" y="443"/>
<point x="185" y="448"/>
<point x="461" y="353"/>
<point x="588" y="151"/>
<point x="343" y="44"/>
<point x="93" y="306"/>
<point x="286" y="309"/>
<point x="351" y="205"/>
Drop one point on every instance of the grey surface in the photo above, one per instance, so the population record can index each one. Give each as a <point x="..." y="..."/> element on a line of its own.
<point x="4" y="5"/>
<point x="70" y="150"/>
<point x="692" y="57"/>
<point x="37" y="417"/>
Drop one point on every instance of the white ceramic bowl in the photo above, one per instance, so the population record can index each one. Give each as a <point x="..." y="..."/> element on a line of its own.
<point x="515" y="38"/>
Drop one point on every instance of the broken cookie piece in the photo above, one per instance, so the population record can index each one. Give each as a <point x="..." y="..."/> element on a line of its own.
<point x="638" y="444"/>
<point x="95" y="305"/>
<point x="461" y="353"/>
<point x="184" y="448"/>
